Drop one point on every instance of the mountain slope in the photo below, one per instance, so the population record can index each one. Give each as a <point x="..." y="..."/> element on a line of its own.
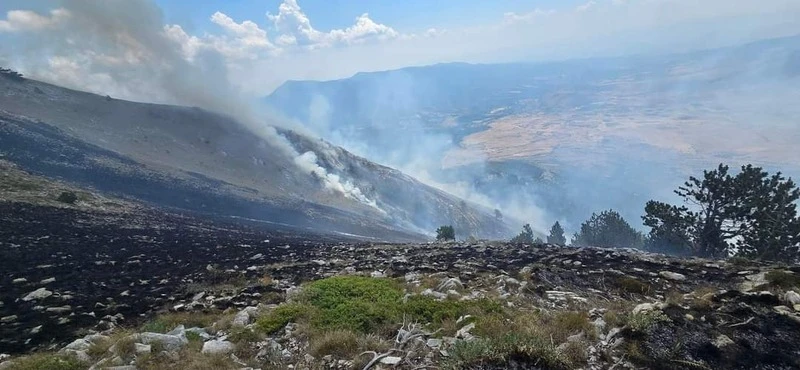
<point x="574" y="136"/>
<point x="193" y="159"/>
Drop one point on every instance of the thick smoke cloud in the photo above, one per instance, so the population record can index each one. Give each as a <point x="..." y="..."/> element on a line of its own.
<point x="124" y="49"/>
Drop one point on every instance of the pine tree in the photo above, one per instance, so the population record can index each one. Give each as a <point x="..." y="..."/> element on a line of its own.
<point x="557" y="235"/>
<point x="608" y="230"/>
<point x="446" y="232"/>
<point x="524" y="237"/>
<point x="751" y="214"/>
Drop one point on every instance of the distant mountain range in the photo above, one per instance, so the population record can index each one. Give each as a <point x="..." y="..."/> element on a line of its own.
<point x="188" y="158"/>
<point x="560" y="140"/>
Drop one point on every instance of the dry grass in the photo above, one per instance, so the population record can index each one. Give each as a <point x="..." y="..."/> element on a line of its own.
<point x="674" y="298"/>
<point x="186" y="360"/>
<point x="168" y="321"/>
<point x="341" y="344"/>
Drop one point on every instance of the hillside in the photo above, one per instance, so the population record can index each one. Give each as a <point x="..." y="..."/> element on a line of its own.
<point x="188" y="158"/>
<point x="562" y="135"/>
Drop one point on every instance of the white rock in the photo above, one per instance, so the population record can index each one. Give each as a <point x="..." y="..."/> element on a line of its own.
<point x="722" y="341"/>
<point x="672" y="275"/>
<point x="216" y="347"/>
<point x="59" y="310"/>
<point x="143" y="348"/>
<point x="257" y="257"/>
<point x="36" y="330"/>
<point x="171" y="343"/>
<point x="434" y="343"/>
<point x="437" y="295"/>
<point x="792" y="298"/>
<point x="451" y="283"/>
<point x="643" y="307"/>
<point x="465" y="331"/>
<point x="47" y="281"/>
<point x="391" y="360"/>
<point x="245" y="316"/>
<point x="8" y="319"/>
<point x="19" y="281"/>
<point x="179" y="330"/>
<point x="78" y="345"/>
<point x="40" y="293"/>
<point x="753" y="281"/>
<point x="377" y="274"/>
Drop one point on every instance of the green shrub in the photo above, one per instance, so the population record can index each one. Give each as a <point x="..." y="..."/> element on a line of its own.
<point x="45" y="362"/>
<point x="280" y="316"/>
<point x="67" y="197"/>
<point x="642" y="322"/>
<point x="427" y="309"/>
<point x="527" y="348"/>
<point x="356" y="303"/>
<point x="365" y="305"/>
<point x="244" y="335"/>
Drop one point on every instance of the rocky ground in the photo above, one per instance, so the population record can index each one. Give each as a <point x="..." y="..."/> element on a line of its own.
<point x="109" y="284"/>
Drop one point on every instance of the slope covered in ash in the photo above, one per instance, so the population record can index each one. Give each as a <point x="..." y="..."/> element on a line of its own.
<point x="194" y="159"/>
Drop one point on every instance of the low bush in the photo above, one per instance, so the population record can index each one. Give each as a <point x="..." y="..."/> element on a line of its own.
<point x="45" y="362"/>
<point x="782" y="279"/>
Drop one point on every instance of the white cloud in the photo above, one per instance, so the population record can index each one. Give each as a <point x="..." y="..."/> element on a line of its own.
<point x="26" y="20"/>
<point x="285" y="45"/>
<point x="587" y="6"/>
<point x="294" y="28"/>
<point x="511" y="17"/>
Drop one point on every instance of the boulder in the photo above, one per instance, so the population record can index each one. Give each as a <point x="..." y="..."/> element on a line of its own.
<point x="37" y="294"/>
<point x="143" y="348"/>
<point x="78" y="345"/>
<point x="244" y="317"/>
<point x="450" y="283"/>
<point x="217" y="347"/>
<point x="792" y="298"/>
<point x="674" y="276"/>
<point x="171" y="343"/>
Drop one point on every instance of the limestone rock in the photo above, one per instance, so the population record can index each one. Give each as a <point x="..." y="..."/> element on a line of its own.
<point x="216" y="347"/>
<point x="171" y="343"/>
<point x="391" y="360"/>
<point x="674" y="276"/>
<point x="37" y="294"/>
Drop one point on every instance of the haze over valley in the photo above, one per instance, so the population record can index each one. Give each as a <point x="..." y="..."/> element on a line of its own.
<point x="360" y="184"/>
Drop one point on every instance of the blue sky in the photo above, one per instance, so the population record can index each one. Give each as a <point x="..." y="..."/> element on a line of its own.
<point x="409" y="15"/>
<point x="117" y="45"/>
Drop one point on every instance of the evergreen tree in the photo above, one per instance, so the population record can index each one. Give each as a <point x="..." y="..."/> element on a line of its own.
<point x="444" y="233"/>
<point x="524" y="237"/>
<point x="671" y="229"/>
<point x="750" y="214"/>
<point x="557" y="235"/>
<point x="608" y="230"/>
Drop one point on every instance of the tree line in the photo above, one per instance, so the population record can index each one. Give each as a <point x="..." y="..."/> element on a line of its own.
<point x="750" y="214"/>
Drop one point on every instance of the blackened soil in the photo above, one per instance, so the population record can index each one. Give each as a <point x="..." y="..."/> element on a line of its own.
<point x="109" y="264"/>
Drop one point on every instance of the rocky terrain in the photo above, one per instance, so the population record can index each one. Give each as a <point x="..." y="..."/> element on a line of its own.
<point x="132" y="287"/>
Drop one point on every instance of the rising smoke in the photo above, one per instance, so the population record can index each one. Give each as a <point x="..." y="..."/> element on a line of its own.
<point x="123" y="48"/>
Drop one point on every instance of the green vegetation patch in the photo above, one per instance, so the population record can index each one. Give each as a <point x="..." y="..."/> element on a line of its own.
<point x="366" y="305"/>
<point x="46" y="362"/>
<point x="526" y="348"/>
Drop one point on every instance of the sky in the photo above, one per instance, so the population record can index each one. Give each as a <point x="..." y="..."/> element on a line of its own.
<point x="257" y="45"/>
